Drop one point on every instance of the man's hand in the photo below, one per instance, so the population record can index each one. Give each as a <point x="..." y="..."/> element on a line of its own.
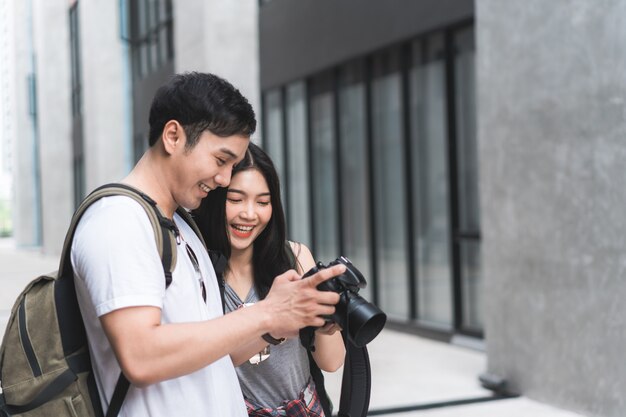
<point x="294" y="303"/>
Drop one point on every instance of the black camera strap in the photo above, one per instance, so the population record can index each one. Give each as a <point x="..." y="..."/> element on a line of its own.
<point x="356" y="383"/>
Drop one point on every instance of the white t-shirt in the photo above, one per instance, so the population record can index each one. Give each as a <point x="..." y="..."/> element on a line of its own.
<point x="116" y="265"/>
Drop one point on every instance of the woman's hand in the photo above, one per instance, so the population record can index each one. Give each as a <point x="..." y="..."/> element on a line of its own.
<point x="329" y="328"/>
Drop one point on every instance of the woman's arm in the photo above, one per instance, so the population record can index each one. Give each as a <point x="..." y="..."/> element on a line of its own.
<point x="329" y="349"/>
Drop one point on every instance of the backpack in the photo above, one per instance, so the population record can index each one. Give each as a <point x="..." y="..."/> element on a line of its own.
<point x="45" y="368"/>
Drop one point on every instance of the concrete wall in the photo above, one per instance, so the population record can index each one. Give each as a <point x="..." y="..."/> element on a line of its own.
<point x="43" y="27"/>
<point x="552" y="128"/>
<point x="221" y="37"/>
<point x="26" y="215"/>
<point x="51" y="41"/>
<point x="105" y="94"/>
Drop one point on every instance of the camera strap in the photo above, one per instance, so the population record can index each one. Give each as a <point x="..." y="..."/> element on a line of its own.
<point x="356" y="383"/>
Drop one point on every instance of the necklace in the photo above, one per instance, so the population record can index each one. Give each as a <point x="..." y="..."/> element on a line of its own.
<point x="259" y="357"/>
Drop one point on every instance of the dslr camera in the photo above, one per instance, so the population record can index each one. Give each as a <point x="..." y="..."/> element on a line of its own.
<point x="361" y="320"/>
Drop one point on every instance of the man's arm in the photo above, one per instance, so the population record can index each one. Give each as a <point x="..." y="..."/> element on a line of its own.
<point x="149" y="351"/>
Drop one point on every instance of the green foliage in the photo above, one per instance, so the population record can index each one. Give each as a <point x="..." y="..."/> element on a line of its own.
<point x="6" y="219"/>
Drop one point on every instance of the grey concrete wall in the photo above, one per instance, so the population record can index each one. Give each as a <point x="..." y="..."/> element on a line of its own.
<point x="26" y="219"/>
<point x="51" y="41"/>
<point x="106" y="92"/>
<point x="552" y="152"/>
<point x="221" y="37"/>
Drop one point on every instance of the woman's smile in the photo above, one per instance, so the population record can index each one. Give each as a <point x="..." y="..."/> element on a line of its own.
<point x="241" y="231"/>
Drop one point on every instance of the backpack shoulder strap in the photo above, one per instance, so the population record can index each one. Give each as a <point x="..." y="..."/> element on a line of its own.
<point x="166" y="236"/>
<point x="165" y="231"/>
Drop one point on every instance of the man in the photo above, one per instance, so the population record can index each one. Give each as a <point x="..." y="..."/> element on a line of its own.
<point x="174" y="345"/>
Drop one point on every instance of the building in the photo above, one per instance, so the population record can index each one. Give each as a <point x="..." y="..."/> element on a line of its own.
<point x="6" y="144"/>
<point x="92" y="68"/>
<point x="465" y="154"/>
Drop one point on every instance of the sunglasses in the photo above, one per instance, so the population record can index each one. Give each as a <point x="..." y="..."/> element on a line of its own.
<point x="196" y="266"/>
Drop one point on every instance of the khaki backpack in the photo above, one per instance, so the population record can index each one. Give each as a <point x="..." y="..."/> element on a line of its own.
<point x="45" y="368"/>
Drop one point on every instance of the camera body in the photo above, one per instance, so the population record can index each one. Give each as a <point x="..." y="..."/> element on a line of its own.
<point x="361" y="320"/>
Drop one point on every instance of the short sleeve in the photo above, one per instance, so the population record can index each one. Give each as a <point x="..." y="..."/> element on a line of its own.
<point x="115" y="256"/>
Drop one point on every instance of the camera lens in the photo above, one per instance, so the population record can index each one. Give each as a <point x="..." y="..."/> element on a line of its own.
<point x="364" y="320"/>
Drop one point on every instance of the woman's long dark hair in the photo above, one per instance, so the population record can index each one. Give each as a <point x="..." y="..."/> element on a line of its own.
<point x="270" y="257"/>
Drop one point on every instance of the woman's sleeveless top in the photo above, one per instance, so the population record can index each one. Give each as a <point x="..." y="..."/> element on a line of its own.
<point x="281" y="376"/>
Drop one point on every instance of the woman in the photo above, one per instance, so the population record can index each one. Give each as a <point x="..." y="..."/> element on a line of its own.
<point x="246" y="222"/>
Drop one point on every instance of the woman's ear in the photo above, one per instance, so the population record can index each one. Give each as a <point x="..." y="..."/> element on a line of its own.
<point x="173" y="136"/>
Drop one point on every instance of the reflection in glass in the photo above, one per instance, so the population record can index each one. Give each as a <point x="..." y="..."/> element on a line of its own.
<point x="297" y="208"/>
<point x="355" y="221"/>
<point x="324" y="190"/>
<point x="471" y="285"/>
<point x="273" y="138"/>
<point x="389" y="184"/>
<point x="430" y="182"/>
<point x="469" y="209"/>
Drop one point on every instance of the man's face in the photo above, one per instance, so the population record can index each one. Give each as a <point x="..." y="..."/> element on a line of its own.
<point x="206" y="166"/>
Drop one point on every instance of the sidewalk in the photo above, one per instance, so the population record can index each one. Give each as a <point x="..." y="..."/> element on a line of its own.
<point x="407" y="370"/>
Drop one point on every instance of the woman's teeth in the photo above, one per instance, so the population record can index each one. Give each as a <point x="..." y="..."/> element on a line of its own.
<point x="244" y="229"/>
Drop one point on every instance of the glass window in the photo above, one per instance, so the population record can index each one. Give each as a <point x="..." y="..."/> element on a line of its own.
<point x="389" y="184"/>
<point x="429" y="156"/>
<point x="273" y="137"/>
<point x="297" y="208"/>
<point x="78" y="155"/>
<point x="151" y="25"/>
<point x="144" y="51"/>
<point x="354" y="170"/>
<point x="324" y="192"/>
<point x="169" y="30"/>
<point x="467" y="160"/>
<point x="140" y="145"/>
<point x="75" y="61"/>
<point x="78" y="168"/>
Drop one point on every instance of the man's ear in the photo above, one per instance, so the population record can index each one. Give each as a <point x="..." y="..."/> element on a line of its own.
<point x="173" y="136"/>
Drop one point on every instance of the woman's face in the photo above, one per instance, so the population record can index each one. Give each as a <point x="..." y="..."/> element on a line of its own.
<point x="248" y="208"/>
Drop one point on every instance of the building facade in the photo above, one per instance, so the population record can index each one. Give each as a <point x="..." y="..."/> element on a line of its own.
<point x="91" y="69"/>
<point x="370" y="118"/>
<point x="466" y="155"/>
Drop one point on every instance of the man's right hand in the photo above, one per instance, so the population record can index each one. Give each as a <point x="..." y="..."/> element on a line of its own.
<point x="294" y="303"/>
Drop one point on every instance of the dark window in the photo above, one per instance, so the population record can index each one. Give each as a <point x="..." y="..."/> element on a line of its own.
<point x="380" y="162"/>
<point x="389" y="185"/>
<point x="151" y="30"/>
<point x="354" y="169"/>
<point x="78" y="155"/>
<point x="298" y="190"/>
<point x="431" y="195"/>
<point x="273" y="132"/>
<point x="323" y="167"/>
<point x="467" y="180"/>
<point x="75" y="61"/>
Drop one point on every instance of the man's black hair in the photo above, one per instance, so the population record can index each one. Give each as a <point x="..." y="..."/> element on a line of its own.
<point x="200" y="102"/>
